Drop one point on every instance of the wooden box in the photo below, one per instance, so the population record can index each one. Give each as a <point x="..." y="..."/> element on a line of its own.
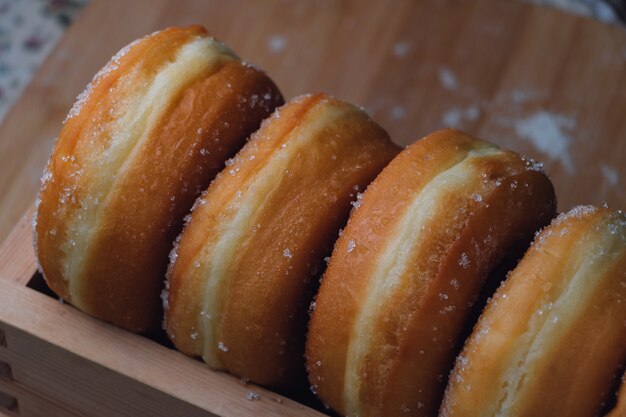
<point x="57" y="361"/>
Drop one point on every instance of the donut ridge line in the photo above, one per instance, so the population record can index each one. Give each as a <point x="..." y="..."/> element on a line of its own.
<point x="566" y="295"/>
<point x="252" y="245"/>
<point x="140" y="143"/>
<point x="190" y="62"/>
<point x="391" y="272"/>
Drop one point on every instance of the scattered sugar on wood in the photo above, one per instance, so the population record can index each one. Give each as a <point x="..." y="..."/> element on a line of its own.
<point x="610" y="175"/>
<point x="456" y="116"/>
<point x="401" y="49"/>
<point x="397" y="112"/>
<point x="252" y="396"/>
<point x="276" y="43"/>
<point x="448" y="79"/>
<point x="549" y="133"/>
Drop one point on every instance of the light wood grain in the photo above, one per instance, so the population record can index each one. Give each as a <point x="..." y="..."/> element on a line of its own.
<point x="18" y="269"/>
<point x="61" y="357"/>
<point x="509" y="59"/>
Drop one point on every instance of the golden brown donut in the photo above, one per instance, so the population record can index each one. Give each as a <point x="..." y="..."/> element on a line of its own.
<point x="553" y="337"/>
<point x="241" y="276"/>
<point x="620" y="407"/>
<point x="148" y="134"/>
<point x="409" y="265"/>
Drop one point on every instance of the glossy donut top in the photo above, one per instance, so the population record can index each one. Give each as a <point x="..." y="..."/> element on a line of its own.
<point x="413" y="255"/>
<point x="240" y="282"/>
<point x="148" y="134"/>
<point x="553" y="336"/>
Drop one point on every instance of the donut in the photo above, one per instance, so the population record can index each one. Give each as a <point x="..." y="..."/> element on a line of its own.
<point x="409" y="265"/>
<point x="620" y="408"/>
<point x="553" y="338"/>
<point x="149" y="133"/>
<point x="244" y="268"/>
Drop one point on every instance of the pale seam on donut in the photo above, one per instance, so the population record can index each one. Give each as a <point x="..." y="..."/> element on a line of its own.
<point x="130" y="133"/>
<point x="577" y="293"/>
<point x="218" y="257"/>
<point x="391" y="266"/>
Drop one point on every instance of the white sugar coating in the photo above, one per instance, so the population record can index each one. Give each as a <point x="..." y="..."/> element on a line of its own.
<point x="230" y="162"/>
<point x="455" y="283"/>
<point x="111" y="66"/>
<point x="165" y="294"/>
<point x="443" y="296"/>
<point x="477" y="197"/>
<point x="532" y="165"/>
<point x="276" y="43"/>
<point x="464" y="260"/>
<point x="204" y="152"/>
<point x="287" y="253"/>
<point x="357" y="202"/>
<point x="401" y="48"/>
<point x="194" y="335"/>
<point x="312" y="306"/>
<point x="577" y="212"/>
<point x="549" y="134"/>
<point x="448" y="79"/>
<point x="351" y="246"/>
<point x="221" y="346"/>
<point x="46" y="177"/>
<point x="253" y="396"/>
<point x="173" y="255"/>
<point x="327" y="259"/>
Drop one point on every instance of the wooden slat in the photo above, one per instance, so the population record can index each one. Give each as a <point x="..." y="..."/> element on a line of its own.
<point x="31" y="404"/>
<point x="92" y="367"/>
<point x="17" y="256"/>
<point x="508" y="60"/>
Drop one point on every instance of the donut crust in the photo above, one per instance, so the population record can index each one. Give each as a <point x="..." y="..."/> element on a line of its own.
<point x="410" y="262"/>
<point x="148" y="134"/>
<point x="553" y="337"/>
<point x="244" y="272"/>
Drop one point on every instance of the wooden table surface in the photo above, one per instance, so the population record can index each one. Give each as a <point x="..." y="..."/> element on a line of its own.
<point x="530" y="78"/>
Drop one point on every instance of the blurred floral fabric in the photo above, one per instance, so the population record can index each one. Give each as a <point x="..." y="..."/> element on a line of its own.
<point x="29" y="29"/>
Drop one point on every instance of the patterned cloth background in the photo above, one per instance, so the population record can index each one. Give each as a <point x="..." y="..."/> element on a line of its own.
<point x="29" y="29"/>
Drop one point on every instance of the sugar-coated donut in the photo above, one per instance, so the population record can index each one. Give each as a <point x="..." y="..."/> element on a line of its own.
<point x="145" y="138"/>
<point x="552" y="339"/>
<point x="242" y="274"/>
<point x="409" y="265"/>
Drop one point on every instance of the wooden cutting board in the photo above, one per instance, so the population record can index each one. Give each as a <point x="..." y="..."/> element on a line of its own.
<point x="530" y="78"/>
